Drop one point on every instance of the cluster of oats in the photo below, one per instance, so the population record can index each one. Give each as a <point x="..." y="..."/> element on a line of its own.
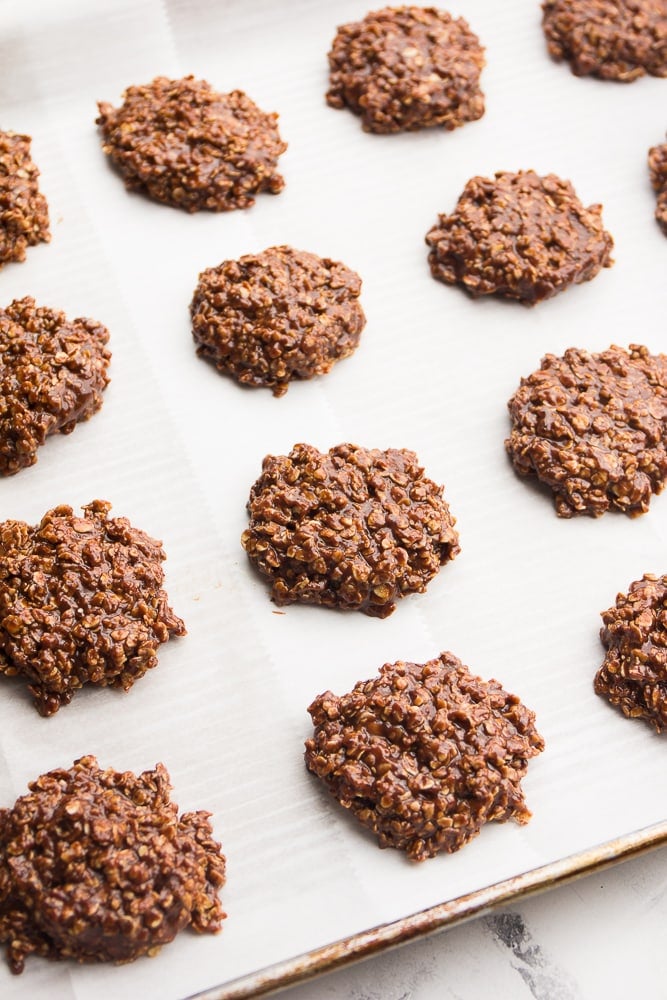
<point x="97" y="866"/>
<point x="351" y="528"/>
<point x="184" y="144"/>
<point x="407" y="68"/>
<point x="425" y="754"/>
<point x="81" y="602"/>
<point x="284" y="314"/>
<point x="520" y="236"/>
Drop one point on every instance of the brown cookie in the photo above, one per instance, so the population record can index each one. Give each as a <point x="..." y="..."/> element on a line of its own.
<point x="275" y="316"/>
<point x="425" y="754"/>
<point x="97" y="866"/>
<point x="81" y="602"/>
<point x="634" y="673"/>
<point x="407" y="68"/>
<point x="657" y="163"/>
<point x="593" y="427"/>
<point x="520" y="236"/>
<point x="52" y="375"/>
<point x="24" y="213"/>
<point x="187" y="146"/>
<point x="611" y="39"/>
<point x="351" y="528"/>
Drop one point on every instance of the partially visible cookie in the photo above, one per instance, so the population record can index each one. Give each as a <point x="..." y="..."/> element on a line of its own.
<point x="611" y="39"/>
<point x="657" y="163"/>
<point x="425" y="754"/>
<point x="351" y="528"/>
<point x="81" y="602"/>
<point x="97" y="866"/>
<point x="633" y="676"/>
<point x="186" y="145"/>
<point x="407" y="68"/>
<point x="53" y="372"/>
<point x="24" y="213"/>
<point x="280" y="315"/>
<point x="593" y="427"/>
<point x="519" y="236"/>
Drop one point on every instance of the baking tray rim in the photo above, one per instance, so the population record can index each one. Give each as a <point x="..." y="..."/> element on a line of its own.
<point x="365" y="944"/>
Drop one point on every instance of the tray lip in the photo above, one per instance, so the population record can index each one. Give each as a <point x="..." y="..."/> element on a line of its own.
<point x="365" y="944"/>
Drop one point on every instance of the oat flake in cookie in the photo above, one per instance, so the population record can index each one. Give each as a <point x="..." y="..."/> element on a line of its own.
<point x="81" y="602"/>
<point x="520" y="236"/>
<point x="657" y="162"/>
<point x="97" y="866"/>
<point x="187" y="146"/>
<point x="425" y="754"/>
<point x="593" y="427"/>
<point x="24" y="214"/>
<point x="407" y="68"/>
<point x="633" y="676"/>
<point x="610" y="39"/>
<point x="351" y="528"/>
<point x="280" y="315"/>
<point x="52" y="375"/>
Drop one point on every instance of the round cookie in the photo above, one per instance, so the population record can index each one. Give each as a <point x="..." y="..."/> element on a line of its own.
<point x="53" y="372"/>
<point x="280" y="315"/>
<point x="352" y="528"/>
<point x="610" y="39"/>
<point x="520" y="236"/>
<point x="97" y="866"/>
<point x="187" y="146"/>
<point x="81" y="602"/>
<point x="593" y="427"/>
<point x="24" y="213"/>
<point x="425" y="754"/>
<point x="407" y="68"/>
<point x="657" y="162"/>
<point x="633" y="676"/>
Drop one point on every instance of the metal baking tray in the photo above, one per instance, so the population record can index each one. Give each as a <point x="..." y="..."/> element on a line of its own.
<point x="176" y="448"/>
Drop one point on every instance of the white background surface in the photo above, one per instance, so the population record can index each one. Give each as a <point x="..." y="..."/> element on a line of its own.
<point x="176" y="448"/>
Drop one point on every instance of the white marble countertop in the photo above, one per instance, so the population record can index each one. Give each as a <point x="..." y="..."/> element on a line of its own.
<point x="600" y="936"/>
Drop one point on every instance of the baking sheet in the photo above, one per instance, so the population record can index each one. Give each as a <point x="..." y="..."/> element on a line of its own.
<point x="176" y="448"/>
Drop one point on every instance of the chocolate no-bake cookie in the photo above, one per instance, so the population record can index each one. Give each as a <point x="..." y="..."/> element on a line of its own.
<point x="520" y="236"/>
<point x="611" y="39"/>
<point x="634" y="673"/>
<point x="352" y="528"/>
<point x="407" y="68"/>
<point x="275" y="316"/>
<point x="52" y="375"/>
<point x="657" y="163"/>
<point x="97" y="866"/>
<point x="425" y="754"/>
<point x="24" y="213"/>
<point x="593" y="427"/>
<point x="81" y="602"/>
<point x="187" y="146"/>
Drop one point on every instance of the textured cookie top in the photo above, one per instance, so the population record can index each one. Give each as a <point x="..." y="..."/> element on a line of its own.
<point x="634" y="673"/>
<point x="520" y="236"/>
<point x="593" y="427"/>
<point x="96" y="866"/>
<point x="52" y="375"/>
<point x="275" y="316"/>
<point x="81" y="602"/>
<point x="611" y="39"/>
<point x="657" y="163"/>
<point x="407" y="68"/>
<point x="187" y="146"/>
<point x="352" y="528"/>
<point x="425" y="754"/>
<point x="24" y="213"/>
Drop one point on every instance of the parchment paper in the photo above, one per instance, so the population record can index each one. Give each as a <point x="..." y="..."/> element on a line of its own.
<point x="176" y="448"/>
